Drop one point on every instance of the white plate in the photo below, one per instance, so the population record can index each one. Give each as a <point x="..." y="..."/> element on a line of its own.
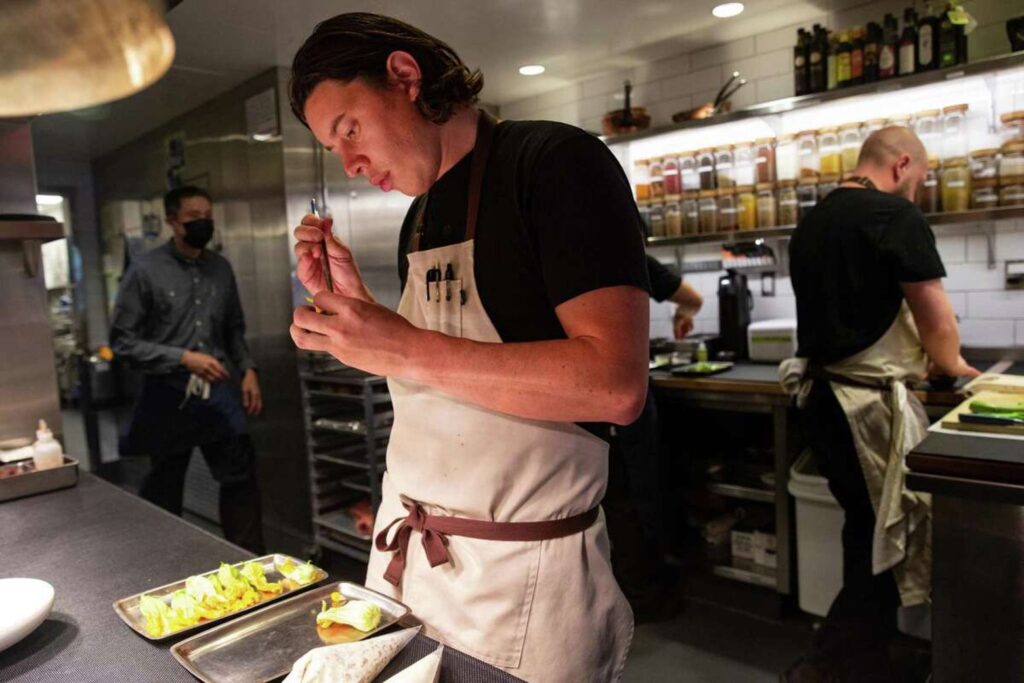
<point x="24" y="604"/>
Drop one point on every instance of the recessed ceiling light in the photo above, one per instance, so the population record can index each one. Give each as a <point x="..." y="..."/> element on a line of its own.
<point x="728" y="9"/>
<point x="531" y="70"/>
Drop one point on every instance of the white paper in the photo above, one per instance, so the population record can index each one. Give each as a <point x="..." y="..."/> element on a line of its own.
<point x="357" y="662"/>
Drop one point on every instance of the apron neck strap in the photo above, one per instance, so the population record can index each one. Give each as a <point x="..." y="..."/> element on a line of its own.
<point x="863" y="181"/>
<point x="481" y="152"/>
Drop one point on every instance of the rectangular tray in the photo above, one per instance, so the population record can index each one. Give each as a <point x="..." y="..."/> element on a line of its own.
<point x="702" y="369"/>
<point x="264" y="645"/>
<point x="128" y="608"/>
<point x="41" y="481"/>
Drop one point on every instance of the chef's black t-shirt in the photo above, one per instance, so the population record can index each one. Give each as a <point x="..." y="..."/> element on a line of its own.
<point x="847" y="260"/>
<point x="557" y="219"/>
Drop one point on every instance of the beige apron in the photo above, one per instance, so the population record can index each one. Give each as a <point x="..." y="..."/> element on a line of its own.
<point x="887" y="421"/>
<point x="544" y="610"/>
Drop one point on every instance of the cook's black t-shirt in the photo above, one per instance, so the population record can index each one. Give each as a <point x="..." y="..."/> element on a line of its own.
<point x="848" y="257"/>
<point x="557" y="219"/>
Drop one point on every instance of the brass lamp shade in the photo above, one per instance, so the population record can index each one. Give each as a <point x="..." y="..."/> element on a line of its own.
<point x="59" y="55"/>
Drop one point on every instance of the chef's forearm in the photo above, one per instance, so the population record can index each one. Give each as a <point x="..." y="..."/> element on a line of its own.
<point x="570" y="380"/>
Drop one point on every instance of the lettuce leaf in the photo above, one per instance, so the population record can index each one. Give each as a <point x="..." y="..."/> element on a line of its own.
<point x="253" y="573"/>
<point x="358" y="614"/>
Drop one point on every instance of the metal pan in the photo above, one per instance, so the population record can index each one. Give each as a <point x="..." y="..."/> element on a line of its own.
<point x="28" y="481"/>
<point x="264" y="645"/>
<point x="128" y="608"/>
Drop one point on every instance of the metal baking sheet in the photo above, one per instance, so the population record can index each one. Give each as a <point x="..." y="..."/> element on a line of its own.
<point x="35" y="481"/>
<point x="128" y="608"/>
<point x="264" y="645"/>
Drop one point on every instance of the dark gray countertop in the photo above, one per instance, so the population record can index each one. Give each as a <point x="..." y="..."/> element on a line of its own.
<point x="96" y="543"/>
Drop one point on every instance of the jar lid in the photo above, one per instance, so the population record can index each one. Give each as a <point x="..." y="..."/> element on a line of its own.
<point x="726" y="191"/>
<point x="1011" y="180"/>
<point x="928" y="112"/>
<point x="643" y="203"/>
<point x="654" y="160"/>
<point x="898" y="118"/>
<point x="987" y="152"/>
<point x="784" y="138"/>
<point x="691" y="194"/>
<point x="724" y="148"/>
<point x="955" y="161"/>
<point x="876" y="122"/>
<point x="787" y="183"/>
<point x="1012" y="116"/>
<point x="765" y="141"/>
<point x="829" y="178"/>
<point x="1013" y="146"/>
<point x="672" y="198"/>
<point x="765" y="186"/>
<point x="954" y="108"/>
<point x="802" y="133"/>
<point x="806" y="181"/>
<point x="855" y="125"/>
<point x="829" y="129"/>
<point x="704" y="194"/>
<point x="984" y="182"/>
<point x="740" y="189"/>
<point x="642" y="162"/>
<point x="933" y="163"/>
<point x="705" y="150"/>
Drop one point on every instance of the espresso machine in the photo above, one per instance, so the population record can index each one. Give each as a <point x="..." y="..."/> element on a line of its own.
<point x="734" y="305"/>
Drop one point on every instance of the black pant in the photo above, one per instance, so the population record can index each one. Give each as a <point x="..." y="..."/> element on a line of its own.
<point x="854" y="638"/>
<point x="232" y="463"/>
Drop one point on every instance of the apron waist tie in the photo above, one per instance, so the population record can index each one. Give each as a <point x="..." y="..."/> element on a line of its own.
<point x="435" y="529"/>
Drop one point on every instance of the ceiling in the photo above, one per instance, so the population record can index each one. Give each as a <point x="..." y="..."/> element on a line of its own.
<point x="221" y="43"/>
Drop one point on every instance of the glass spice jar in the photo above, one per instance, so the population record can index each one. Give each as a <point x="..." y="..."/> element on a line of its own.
<point x="691" y="214"/>
<point x="688" y="175"/>
<point x="789" y="207"/>
<point x="954" y="131"/>
<point x="829" y="157"/>
<point x="764" y="159"/>
<point x="744" y="163"/>
<point x="1011" y="164"/>
<point x="849" y="145"/>
<point x="706" y="168"/>
<point x="1012" y="126"/>
<point x="673" y="216"/>
<point x="670" y="172"/>
<point x="871" y="125"/>
<point x="928" y="192"/>
<point x="644" y="207"/>
<point x="807" y="154"/>
<point x="984" y="164"/>
<point x="806" y="197"/>
<point x="746" y="207"/>
<point x="897" y="120"/>
<point x="707" y="208"/>
<point x="657" y="220"/>
<point x="657" y="180"/>
<point x="726" y="209"/>
<point x="724" y="167"/>
<point x="767" y="210"/>
<point x="984" y="193"/>
<point x="826" y="185"/>
<point x="787" y="161"/>
<point x="928" y="128"/>
<point x="642" y="180"/>
<point x="1011" y="191"/>
<point x="956" y="185"/>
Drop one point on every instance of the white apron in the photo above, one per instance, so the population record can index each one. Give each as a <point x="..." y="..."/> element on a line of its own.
<point x="887" y="421"/>
<point x="543" y="610"/>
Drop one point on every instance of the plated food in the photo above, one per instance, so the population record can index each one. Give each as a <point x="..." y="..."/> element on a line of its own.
<point x="347" y="619"/>
<point x="205" y="598"/>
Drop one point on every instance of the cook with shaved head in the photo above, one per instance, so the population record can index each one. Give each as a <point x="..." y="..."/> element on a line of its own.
<point x="872" y="316"/>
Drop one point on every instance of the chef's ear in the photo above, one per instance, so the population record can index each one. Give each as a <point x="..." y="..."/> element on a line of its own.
<point x="902" y="167"/>
<point x="404" y="72"/>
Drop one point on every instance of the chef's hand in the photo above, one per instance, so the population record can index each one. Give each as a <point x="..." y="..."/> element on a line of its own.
<point x="361" y="334"/>
<point x="962" y="369"/>
<point x="252" y="399"/>
<point x="204" y="366"/>
<point x="344" y="271"/>
<point x="682" y="323"/>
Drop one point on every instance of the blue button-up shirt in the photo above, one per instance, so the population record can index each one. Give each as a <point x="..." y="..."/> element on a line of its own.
<point x="169" y="304"/>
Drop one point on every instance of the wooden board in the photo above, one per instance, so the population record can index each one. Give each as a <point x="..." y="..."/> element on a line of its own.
<point x="991" y="381"/>
<point x="952" y="418"/>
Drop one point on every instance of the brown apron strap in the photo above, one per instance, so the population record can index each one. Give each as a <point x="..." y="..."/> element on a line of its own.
<point x="481" y="152"/>
<point x="818" y="372"/>
<point x="435" y="529"/>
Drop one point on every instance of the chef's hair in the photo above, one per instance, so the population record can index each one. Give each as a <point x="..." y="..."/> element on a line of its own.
<point x="886" y="145"/>
<point x="358" y="44"/>
<point x="172" y="200"/>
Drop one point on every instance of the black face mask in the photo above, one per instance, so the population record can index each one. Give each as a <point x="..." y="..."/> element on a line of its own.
<point x="199" y="232"/>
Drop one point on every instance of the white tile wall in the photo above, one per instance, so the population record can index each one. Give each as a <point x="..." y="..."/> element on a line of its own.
<point x="990" y="315"/>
